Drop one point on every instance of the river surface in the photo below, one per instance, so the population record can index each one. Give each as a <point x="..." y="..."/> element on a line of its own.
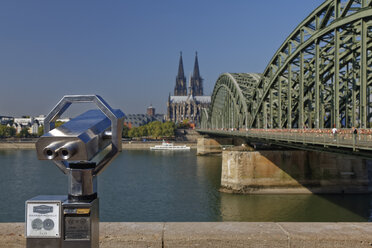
<point x="145" y="186"/>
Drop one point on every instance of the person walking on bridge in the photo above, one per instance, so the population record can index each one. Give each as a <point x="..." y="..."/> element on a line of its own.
<point x="334" y="132"/>
<point x="355" y="134"/>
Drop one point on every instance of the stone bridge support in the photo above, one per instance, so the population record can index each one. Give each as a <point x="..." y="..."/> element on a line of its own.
<point x="207" y="146"/>
<point x="259" y="172"/>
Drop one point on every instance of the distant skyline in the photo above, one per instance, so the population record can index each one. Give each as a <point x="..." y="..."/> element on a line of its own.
<point x="128" y="51"/>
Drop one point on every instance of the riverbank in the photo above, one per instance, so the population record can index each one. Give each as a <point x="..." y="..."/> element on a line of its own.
<point x="135" y="145"/>
<point x="217" y="234"/>
<point x="17" y="145"/>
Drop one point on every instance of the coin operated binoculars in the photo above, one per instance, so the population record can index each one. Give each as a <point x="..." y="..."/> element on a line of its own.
<point x="81" y="148"/>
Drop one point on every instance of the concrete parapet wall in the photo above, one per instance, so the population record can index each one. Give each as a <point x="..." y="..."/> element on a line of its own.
<point x="217" y="234"/>
<point x="292" y="172"/>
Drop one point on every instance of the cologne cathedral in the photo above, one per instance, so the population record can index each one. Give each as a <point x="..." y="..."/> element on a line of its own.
<point x="187" y="102"/>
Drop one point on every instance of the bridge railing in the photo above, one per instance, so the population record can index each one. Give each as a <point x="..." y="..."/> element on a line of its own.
<point x="343" y="138"/>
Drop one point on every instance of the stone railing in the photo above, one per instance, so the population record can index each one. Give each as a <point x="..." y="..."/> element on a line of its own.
<point x="217" y="234"/>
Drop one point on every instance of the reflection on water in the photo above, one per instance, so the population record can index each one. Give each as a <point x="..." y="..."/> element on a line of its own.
<point x="167" y="186"/>
<point x="305" y="208"/>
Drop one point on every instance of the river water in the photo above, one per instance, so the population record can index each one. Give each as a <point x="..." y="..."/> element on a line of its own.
<point x="145" y="186"/>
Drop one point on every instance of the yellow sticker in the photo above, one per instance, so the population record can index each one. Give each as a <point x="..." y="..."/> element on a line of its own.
<point x="83" y="211"/>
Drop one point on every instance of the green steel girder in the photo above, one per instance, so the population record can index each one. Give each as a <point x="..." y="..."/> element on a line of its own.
<point x="266" y="86"/>
<point x="204" y="118"/>
<point x="319" y="77"/>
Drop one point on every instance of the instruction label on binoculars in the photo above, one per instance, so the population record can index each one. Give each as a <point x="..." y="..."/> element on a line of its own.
<point x="43" y="220"/>
<point x="77" y="228"/>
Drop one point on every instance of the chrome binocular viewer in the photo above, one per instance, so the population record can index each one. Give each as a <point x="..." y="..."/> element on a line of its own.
<point x="80" y="139"/>
<point x="81" y="148"/>
<point x="84" y="138"/>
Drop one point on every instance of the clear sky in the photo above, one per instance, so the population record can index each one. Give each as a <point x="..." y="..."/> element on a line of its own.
<point x="128" y="51"/>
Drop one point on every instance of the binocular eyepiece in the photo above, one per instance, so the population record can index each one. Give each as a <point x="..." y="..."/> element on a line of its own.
<point x="60" y="149"/>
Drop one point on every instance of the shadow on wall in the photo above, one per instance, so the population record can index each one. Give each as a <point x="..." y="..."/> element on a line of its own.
<point x="369" y="169"/>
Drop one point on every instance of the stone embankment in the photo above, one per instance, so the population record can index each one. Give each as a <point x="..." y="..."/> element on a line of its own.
<point x="147" y="145"/>
<point x="217" y="234"/>
<point x="126" y="145"/>
<point x="17" y="145"/>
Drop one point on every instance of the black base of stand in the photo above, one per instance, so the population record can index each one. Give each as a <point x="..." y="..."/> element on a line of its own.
<point x="83" y="198"/>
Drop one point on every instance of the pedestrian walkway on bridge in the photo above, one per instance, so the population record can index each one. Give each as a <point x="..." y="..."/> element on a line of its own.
<point x="344" y="140"/>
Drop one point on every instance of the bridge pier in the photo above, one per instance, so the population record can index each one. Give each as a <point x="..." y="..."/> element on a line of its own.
<point x="283" y="172"/>
<point x="208" y="145"/>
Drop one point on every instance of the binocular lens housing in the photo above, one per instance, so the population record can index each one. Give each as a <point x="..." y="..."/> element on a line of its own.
<point x="60" y="149"/>
<point x="68" y="150"/>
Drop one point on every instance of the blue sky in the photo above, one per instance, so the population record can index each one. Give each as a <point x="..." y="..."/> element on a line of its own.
<point x="128" y="51"/>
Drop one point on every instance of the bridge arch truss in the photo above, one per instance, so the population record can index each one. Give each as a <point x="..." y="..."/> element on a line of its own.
<point x="229" y="105"/>
<point x="320" y="77"/>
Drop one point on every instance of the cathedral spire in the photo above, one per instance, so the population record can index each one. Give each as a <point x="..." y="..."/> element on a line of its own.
<point x="196" y="80"/>
<point x="180" y="74"/>
<point x="196" y="73"/>
<point x="181" y="88"/>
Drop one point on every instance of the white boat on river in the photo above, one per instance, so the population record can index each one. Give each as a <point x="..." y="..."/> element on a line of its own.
<point x="170" y="146"/>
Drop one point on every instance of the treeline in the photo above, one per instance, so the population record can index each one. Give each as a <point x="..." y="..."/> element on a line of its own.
<point x="154" y="130"/>
<point x="10" y="132"/>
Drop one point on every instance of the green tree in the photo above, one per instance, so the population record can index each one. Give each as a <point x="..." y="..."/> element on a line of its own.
<point x="142" y="131"/>
<point x="24" y="133"/>
<point x="2" y="131"/>
<point x="6" y="131"/>
<point x="154" y="129"/>
<point x="133" y="132"/>
<point x="10" y="131"/>
<point x="40" y="131"/>
<point x="168" y="129"/>
<point x="125" y="131"/>
<point x="184" y="124"/>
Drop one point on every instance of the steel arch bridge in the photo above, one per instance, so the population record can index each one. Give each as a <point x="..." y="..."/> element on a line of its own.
<point x="320" y="77"/>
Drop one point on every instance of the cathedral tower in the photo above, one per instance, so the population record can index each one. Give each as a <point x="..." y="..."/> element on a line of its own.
<point x="181" y="88"/>
<point x="182" y="106"/>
